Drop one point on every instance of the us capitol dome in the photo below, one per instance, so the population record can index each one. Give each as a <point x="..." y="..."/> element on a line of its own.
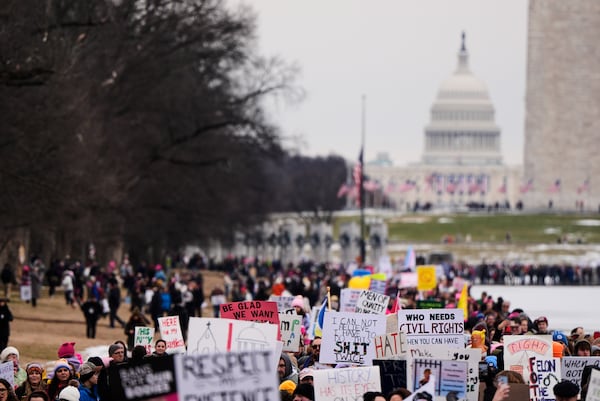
<point x="462" y="128"/>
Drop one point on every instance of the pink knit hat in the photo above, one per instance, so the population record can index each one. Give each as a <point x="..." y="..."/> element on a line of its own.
<point x="66" y="350"/>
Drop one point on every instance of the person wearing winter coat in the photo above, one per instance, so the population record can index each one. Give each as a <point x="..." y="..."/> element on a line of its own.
<point x="137" y="319"/>
<point x="92" y="311"/>
<point x="36" y="285"/>
<point x="68" y="285"/>
<point x="88" y="377"/>
<point x="114" y="301"/>
<point x="8" y="279"/>
<point x="5" y="318"/>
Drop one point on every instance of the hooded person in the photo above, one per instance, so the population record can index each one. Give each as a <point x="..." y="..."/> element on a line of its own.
<point x="12" y="354"/>
<point x="286" y="369"/>
<point x="582" y="348"/>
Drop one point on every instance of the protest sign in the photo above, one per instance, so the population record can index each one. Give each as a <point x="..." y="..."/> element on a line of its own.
<point x="469" y="355"/>
<point x="7" y="372"/>
<point x="572" y="367"/>
<point x="425" y="393"/>
<point x="290" y="331"/>
<point x="408" y="280"/>
<point x="26" y="292"/>
<point x="390" y="346"/>
<point x="544" y="375"/>
<point x="348" y="299"/>
<point x="392" y="373"/>
<point x="518" y="350"/>
<point x="378" y="283"/>
<point x="144" y="336"/>
<point x="372" y="302"/>
<point x="210" y="335"/>
<point x="253" y="311"/>
<point x="152" y="377"/>
<point x="450" y="376"/>
<point x="432" y="327"/>
<point x="391" y="323"/>
<point x="284" y="304"/>
<point x="170" y="331"/>
<point x="430" y="304"/>
<point x="426" y="278"/>
<point x="314" y="315"/>
<point x="346" y="337"/>
<point x="238" y="375"/>
<point x="593" y="392"/>
<point x="345" y="384"/>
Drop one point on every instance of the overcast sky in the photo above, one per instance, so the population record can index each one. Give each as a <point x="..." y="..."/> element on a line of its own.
<point x="397" y="53"/>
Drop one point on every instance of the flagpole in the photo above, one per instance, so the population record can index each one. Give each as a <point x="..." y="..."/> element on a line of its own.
<point x="363" y="251"/>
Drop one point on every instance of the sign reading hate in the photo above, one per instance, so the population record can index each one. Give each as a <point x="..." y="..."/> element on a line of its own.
<point x="432" y="327"/>
<point x="347" y="337"/>
<point x="389" y="346"/>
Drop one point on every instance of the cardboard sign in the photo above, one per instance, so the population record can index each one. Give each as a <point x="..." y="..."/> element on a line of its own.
<point x="518" y="350"/>
<point x="210" y="335"/>
<point x="144" y="336"/>
<point x="345" y="384"/>
<point x="593" y="393"/>
<point x="390" y="346"/>
<point x="347" y="337"/>
<point x="392" y="373"/>
<point x="572" y="367"/>
<point x="7" y="372"/>
<point x="239" y="375"/>
<point x="348" y="299"/>
<point x="544" y="375"/>
<point x="426" y="278"/>
<point x="290" y="331"/>
<point x="450" y="376"/>
<point x="372" y="302"/>
<point x="170" y="331"/>
<point x="253" y="311"/>
<point x="26" y="293"/>
<point x="153" y="377"/>
<point x="432" y="327"/>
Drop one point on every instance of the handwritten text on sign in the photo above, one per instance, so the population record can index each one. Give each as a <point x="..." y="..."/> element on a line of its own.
<point x="544" y="374"/>
<point x="432" y="327"/>
<point x="346" y="384"/>
<point x="372" y="302"/>
<point x="170" y="331"/>
<point x="290" y="331"/>
<point x="347" y="337"/>
<point x="144" y="336"/>
<point x="390" y="346"/>
<point x="572" y="367"/>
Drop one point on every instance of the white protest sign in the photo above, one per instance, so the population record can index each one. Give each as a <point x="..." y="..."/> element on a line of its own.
<point x="372" y="302"/>
<point x="210" y="335"/>
<point x="7" y="372"/>
<point x="346" y="337"/>
<point x="451" y="376"/>
<point x="284" y="304"/>
<point x="572" y="367"/>
<point x="314" y="315"/>
<point x="545" y="374"/>
<point x="593" y="392"/>
<point x="144" y="336"/>
<point x="237" y="375"/>
<point x="345" y="384"/>
<point x="408" y="280"/>
<point x="26" y="293"/>
<point x="390" y="346"/>
<point x="427" y="391"/>
<point x="425" y="327"/>
<point x="170" y="331"/>
<point x="469" y="355"/>
<point x="518" y="350"/>
<point x="348" y="299"/>
<point x="290" y="331"/>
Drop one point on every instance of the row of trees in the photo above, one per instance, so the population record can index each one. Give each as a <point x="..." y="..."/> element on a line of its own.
<point x="142" y="122"/>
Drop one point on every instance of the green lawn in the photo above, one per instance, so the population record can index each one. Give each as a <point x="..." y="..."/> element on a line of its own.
<point x="524" y="229"/>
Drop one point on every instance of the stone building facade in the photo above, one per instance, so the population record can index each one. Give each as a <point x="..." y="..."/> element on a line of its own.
<point x="562" y="126"/>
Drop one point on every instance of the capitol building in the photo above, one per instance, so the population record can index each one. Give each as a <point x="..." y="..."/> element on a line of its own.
<point x="462" y="160"/>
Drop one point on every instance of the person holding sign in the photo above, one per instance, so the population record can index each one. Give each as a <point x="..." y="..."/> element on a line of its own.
<point x="160" y="348"/>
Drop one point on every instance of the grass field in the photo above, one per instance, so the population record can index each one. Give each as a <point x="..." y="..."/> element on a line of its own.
<point x="490" y="228"/>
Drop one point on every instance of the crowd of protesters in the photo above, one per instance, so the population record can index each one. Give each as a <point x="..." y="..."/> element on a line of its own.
<point x="155" y="291"/>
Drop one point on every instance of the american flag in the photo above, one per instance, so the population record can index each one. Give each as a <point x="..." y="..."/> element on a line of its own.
<point x="359" y="177"/>
<point x="450" y="186"/>
<point x="526" y="187"/>
<point x="344" y="190"/>
<point x="408" y="185"/>
<point x="502" y="188"/>
<point x="585" y="187"/>
<point x="390" y="187"/>
<point x="429" y="181"/>
<point x="371" y="186"/>
<point x="554" y="188"/>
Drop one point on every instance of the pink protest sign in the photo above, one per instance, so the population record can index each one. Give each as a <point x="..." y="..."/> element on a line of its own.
<point x="253" y="311"/>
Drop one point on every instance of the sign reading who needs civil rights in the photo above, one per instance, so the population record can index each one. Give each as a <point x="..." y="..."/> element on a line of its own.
<point x="433" y="327"/>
